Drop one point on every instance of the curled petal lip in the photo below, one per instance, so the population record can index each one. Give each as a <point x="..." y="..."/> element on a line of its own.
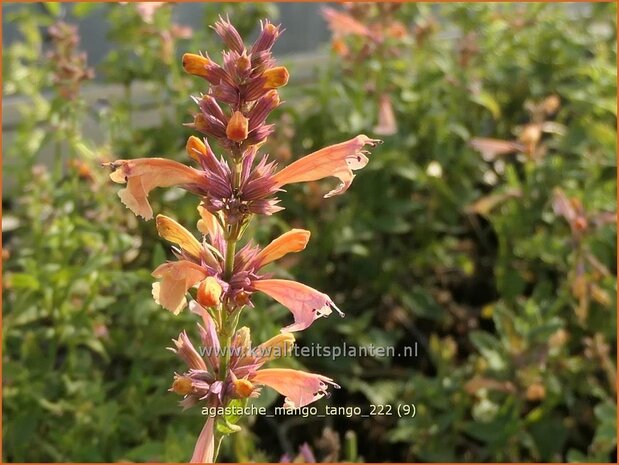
<point x="299" y="387"/>
<point x="142" y="175"/>
<point x="305" y="303"/>
<point x="176" y="279"/>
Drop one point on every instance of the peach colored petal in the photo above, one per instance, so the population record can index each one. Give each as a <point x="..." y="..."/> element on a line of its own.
<point x="294" y="240"/>
<point x="387" y="124"/>
<point x="305" y="303"/>
<point x="176" y="279"/>
<point x="204" y="452"/>
<point x="173" y="232"/>
<point x="338" y="160"/>
<point x="208" y="224"/>
<point x="209" y="292"/>
<point x="299" y="387"/>
<point x="142" y="175"/>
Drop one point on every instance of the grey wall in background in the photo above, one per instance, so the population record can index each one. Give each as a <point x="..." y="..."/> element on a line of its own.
<point x="305" y="28"/>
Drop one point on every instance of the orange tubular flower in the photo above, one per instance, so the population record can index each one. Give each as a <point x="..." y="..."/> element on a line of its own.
<point x="207" y="224"/>
<point x="294" y="240"/>
<point x="276" y="347"/>
<point x="209" y="292"/>
<point x="195" y="64"/>
<point x="195" y="148"/>
<point x="142" y="175"/>
<point x="204" y="451"/>
<point x="171" y="231"/>
<point x="190" y="248"/>
<point x="237" y="128"/>
<point x="176" y="279"/>
<point x="338" y="160"/>
<point x="276" y="77"/>
<point x="299" y="387"/>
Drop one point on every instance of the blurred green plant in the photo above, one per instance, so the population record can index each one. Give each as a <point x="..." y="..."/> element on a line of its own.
<point x="453" y="242"/>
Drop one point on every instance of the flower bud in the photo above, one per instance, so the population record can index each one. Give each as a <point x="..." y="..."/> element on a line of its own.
<point x="209" y="292"/>
<point x="199" y="123"/>
<point x="195" y="147"/>
<point x="243" y="64"/>
<point x="208" y="124"/>
<point x="242" y="298"/>
<point x="195" y="64"/>
<point x="229" y="35"/>
<point x="210" y="107"/>
<point x="182" y="385"/>
<point x="275" y="77"/>
<point x="237" y="128"/>
<point x="243" y="387"/>
<point x="267" y="37"/>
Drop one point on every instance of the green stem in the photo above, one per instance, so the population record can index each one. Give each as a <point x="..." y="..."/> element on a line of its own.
<point x="225" y="330"/>
<point x="218" y="439"/>
<point x="230" y="252"/>
<point x="229" y="316"/>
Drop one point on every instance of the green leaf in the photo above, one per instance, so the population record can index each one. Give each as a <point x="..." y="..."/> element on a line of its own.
<point x="488" y="102"/>
<point x="225" y="427"/>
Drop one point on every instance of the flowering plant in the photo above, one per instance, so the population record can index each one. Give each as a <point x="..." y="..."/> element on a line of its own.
<point x="233" y="188"/>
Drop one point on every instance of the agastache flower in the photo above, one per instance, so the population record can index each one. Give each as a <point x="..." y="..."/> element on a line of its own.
<point x="209" y="274"/>
<point x="243" y="377"/>
<point x="144" y="174"/>
<point x="246" y="83"/>
<point x="204" y="382"/>
<point x="202" y="266"/>
<point x="338" y="160"/>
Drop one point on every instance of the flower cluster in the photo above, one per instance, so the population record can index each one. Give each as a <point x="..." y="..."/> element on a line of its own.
<point x="234" y="187"/>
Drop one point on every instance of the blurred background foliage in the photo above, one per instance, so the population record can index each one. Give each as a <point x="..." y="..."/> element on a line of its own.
<point x="483" y="231"/>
